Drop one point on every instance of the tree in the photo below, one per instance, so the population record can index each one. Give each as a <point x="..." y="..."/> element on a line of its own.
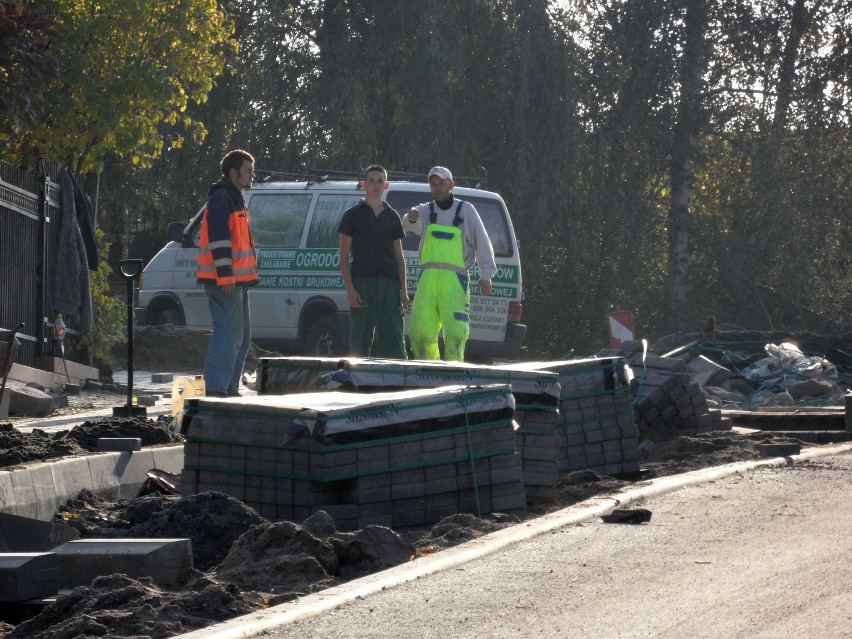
<point x="27" y="64"/>
<point x="128" y="66"/>
<point x="687" y="129"/>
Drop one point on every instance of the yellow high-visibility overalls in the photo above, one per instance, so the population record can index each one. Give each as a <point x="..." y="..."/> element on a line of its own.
<point x="442" y="299"/>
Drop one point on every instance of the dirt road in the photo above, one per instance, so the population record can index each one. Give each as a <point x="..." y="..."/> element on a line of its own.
<point x="764" y="554"/>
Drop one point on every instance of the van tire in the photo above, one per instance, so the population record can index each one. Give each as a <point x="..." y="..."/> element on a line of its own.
<point x="323" y="338"/>
<point x="168" y="316"/>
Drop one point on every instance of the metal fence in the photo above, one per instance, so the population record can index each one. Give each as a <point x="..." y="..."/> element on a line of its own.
<point x="29" y="232"/>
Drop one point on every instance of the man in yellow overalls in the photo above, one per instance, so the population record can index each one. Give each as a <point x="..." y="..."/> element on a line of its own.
<point x="452" y="238"/>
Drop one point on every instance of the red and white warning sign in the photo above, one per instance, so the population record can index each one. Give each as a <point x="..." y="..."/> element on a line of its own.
<point x="619" y="324"/>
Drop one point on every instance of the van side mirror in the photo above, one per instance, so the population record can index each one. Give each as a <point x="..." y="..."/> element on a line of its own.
<point x="176" y="234"/>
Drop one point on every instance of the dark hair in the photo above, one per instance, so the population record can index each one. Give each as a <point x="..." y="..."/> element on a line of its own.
<point x="375" y="167"/>
<point x="234" y="160"/>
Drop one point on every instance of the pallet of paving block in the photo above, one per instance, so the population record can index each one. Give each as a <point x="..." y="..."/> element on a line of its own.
<point x="285" y="375"/>
<point x="538" y="444"/>
<point x="211" y="464"/>
<point x="282" y="375"/>
<point x="477" y="459"/>
<point x="581" y="377"/>
<point x="600" y="433"/>
<point x="335" y="417"/>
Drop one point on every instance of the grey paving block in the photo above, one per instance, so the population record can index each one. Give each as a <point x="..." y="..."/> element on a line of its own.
<point x="24" y="400"/>
<point x="25" y="535"/>
<point x="26" y="576"/>
<point x="165" y="561"/>
<point x="778" y="450"/>
<point x="161" y="378"/>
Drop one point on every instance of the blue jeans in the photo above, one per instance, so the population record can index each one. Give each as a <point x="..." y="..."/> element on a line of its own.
<point x="226" y="353"/>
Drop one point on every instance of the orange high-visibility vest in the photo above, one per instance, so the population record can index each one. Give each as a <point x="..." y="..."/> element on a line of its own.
<point x="231" y="260"/>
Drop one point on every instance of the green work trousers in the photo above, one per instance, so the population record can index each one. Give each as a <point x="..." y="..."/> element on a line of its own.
<point x="381" y="315"/>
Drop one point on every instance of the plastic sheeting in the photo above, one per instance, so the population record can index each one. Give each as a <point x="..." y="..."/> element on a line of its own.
<point x="335" y="417"/>
<point x="281" y="375"/>
<point x="581" y="376"/>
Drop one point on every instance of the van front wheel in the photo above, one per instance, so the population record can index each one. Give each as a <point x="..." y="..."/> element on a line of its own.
<point x="323" y="338"/>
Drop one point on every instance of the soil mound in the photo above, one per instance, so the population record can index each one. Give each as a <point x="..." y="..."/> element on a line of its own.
<point x="20" y="448"/>
<point x="118" y="606"/>
<point x="213" y="521"/>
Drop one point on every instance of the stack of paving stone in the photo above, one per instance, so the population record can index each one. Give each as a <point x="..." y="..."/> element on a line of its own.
<point x="597" y="424"/>
<point x="665" y="393"/>
<point x="536" y="396"/>
<point x="397" y="459"/>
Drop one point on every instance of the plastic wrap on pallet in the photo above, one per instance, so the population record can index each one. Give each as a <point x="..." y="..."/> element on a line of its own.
<point x="580" y="376"/>
<point x="335" y="418"/>
<point x="281" y="375"/>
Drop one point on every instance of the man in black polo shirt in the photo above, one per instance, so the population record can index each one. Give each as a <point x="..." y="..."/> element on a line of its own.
<point x="373" y="270"/>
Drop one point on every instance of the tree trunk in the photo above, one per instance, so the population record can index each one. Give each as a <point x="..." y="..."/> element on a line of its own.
<point x="686" y="133"/>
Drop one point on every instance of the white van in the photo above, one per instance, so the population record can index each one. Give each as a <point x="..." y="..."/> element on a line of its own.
<point x="300" y="302"/>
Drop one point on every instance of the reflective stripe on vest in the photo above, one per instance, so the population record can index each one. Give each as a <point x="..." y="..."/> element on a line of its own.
<point x="242" y="260"/>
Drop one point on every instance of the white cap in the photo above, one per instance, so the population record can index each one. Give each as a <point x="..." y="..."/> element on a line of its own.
<point x="441" y="172"/>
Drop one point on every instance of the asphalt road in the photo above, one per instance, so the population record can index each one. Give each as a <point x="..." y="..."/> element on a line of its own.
<point x="763" y="553"/>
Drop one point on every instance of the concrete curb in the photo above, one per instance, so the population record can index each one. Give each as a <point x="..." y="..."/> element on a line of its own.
<point x="36" y="490"/>
<point x="314" y="605"/>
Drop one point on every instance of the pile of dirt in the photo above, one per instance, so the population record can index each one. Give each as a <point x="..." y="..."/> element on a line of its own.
<point x="213" y="521"/>
<point x="118" y="606"/>
<point x="20" y="448"/>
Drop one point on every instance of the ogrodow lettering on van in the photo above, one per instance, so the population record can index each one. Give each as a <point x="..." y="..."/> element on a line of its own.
<point x="318" y="260"/>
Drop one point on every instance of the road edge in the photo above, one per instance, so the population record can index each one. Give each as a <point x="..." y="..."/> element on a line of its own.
<point x="253" y="624"/>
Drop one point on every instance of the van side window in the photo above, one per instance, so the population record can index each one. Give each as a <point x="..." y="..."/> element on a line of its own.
<point x="277" y="219"/>
<point x="492" y="214"/>
<point x="327" y="214"/>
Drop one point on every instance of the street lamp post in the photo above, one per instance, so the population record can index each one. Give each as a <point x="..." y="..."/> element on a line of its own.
<point x="130" y="270"/>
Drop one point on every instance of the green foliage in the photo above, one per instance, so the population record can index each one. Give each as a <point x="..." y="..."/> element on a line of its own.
<point x="27" y="64"/>
<point x="127" y="67"/>
<point x="108" y="314"/>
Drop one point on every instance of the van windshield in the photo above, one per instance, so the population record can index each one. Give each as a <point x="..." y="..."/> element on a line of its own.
<point x="490" y="211"/>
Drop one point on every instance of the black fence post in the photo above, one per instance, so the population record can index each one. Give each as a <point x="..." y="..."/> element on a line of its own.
<point x="41" y="275"/>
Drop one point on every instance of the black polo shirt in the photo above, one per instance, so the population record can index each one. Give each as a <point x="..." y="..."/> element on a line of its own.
<point x="372" y="239"/>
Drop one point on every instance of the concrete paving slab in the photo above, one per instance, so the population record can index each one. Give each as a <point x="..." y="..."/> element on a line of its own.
<point x="26" y="576"/>
<point x="45" y="491"/>
<point x="25" y="497"/>
<point x="8" y="502"/>
<point x="165" y="561"/>
<point x="131" y="469"/>
<point x="69" y="477"/>
<point x="105" y="482"/>
<point x="168" y="458"/>
<point x="22" y="534"/>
